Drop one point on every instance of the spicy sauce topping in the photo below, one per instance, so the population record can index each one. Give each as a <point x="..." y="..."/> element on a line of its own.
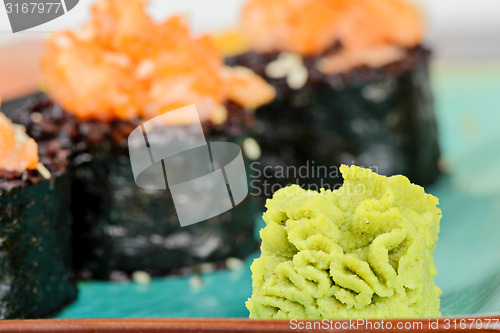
<point x="18" y="152"/>
<point x="123" y="65"/>
<point x="310" y="27"/>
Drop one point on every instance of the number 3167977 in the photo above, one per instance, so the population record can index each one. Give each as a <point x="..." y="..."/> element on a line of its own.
<point x="33" y="7"/>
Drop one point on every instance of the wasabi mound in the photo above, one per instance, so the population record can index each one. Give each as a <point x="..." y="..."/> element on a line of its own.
<point x="361" y="251"/>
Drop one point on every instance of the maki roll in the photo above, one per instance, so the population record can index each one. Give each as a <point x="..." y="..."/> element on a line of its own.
<point x="352" y="83"/>
<point x="103" y="81"/>
<point x="36" y="277"/>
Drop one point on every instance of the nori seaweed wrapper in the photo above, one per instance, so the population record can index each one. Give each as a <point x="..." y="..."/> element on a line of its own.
<point x="36" y="275"/>
<point x="381" y="118"/>
<point x="120" y="227"/>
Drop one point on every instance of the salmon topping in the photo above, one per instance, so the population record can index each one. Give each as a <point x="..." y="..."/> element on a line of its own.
<point x="123" y="65"/>
<point x="310" y="27"/>
<point x="18" y="152"/>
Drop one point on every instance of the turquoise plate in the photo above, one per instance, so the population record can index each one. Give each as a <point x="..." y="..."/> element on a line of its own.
<point x="467" y="255"/>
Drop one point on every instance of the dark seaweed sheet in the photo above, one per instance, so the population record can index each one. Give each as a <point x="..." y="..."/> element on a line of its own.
<point x="36" y="273"/>
<point x="36" y="277"/>
<point x="374" y="117"/>
<point x="119" y="227"/>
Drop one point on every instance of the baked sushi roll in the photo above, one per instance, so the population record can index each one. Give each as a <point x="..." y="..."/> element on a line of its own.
<point x="119" y="70"/>
<point x="36" y="277"/>
<point x="352" y="83"/>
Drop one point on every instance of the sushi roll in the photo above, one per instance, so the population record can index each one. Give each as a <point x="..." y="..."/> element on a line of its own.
<point x="103" y="81"/>
<point x="36" y="277"/>
<point x="352" y="81"/>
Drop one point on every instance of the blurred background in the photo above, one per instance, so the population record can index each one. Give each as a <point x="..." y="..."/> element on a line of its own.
<point x="465" y="38"/>
<point x="458" y="30"/>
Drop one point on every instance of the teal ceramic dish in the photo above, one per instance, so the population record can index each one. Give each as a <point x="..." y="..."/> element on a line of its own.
<point x="468" y="251"/>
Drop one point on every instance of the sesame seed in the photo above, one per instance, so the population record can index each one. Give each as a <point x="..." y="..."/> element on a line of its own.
<point x="219" y="115"/>
<point x="251" y="148"/>
<point x="282" y="66"/>
<point x="43" y="171"/>
<point x="36" y="117"/>
<point x="195" y="282"/>
<point x="297" y="77"/>
<point x="206" y="267"/>
<point x="234" y="263"/>
<point x="141" y="277"/>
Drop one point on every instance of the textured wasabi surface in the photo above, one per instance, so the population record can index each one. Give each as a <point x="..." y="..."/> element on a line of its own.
<point x="361" y="251"/>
